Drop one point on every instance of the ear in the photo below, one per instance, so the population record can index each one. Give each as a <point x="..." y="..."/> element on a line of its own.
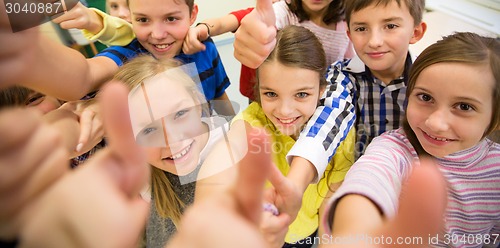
<point x="349" y="33"/>
<point x="418" y="32"/>
<point x="194" y="14"/>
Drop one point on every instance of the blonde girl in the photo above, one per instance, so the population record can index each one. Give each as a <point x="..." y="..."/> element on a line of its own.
<point x="169" y="119"/>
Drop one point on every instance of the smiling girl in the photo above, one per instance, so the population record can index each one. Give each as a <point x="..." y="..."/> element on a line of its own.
<point x="453" y="89"/>
<point x="169" y="119"/>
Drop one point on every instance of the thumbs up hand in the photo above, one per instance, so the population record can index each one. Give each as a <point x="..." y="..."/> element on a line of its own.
<point x="256" y="36"/>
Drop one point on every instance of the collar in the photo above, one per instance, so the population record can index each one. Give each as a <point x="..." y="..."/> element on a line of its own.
<point x="356" y="65"/>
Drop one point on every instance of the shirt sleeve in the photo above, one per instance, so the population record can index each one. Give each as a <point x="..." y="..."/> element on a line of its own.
<point x="239" y="14"/>
<point x="116" y="31"/>
<point x="330" y="123"/>
<point x="377" y="175"/>
<point x="220" y="75"/>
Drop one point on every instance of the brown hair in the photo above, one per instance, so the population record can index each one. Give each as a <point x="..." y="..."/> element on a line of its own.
<point x="297" y="47"/>
<point x="334" y="13"/>
<point x="416" y="7"/>
<point x="133" y="73"/>
<point x="464" y="48"/>
<point x="189" y="3"/>
<point x="14" y="96"/>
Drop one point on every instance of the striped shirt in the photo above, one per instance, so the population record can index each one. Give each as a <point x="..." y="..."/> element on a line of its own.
<point x="473" y="176"/>
<point x="211" y="72"/>
<point x="353" y="96"/>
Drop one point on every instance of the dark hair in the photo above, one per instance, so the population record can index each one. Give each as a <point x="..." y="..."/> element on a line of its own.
<point x="334" y="14"/>
<point x="297" y="47"/>
<point x="463" y="48"/>
<point x="14" y="96"/>
<point x="416" y="7"/>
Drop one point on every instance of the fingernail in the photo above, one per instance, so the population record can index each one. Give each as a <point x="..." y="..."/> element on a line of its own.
<point x="79" y="147"/>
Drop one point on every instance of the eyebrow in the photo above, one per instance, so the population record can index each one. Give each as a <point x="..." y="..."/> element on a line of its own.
<point x="301" y="89"/>
<point x="166" y="14"/>
<point x="390" y="19"/>
<point x="460" y="98"/>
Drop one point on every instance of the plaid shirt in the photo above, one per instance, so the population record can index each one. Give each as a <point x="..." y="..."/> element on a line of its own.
<point x="353" y="96"/>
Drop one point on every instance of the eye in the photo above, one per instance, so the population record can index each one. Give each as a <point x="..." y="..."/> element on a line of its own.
<point x="270" y="94"/>
<point x="302" y="95"/>
<point x="114" y="6"/>
<point x="141" y="19"/>
<point x="35" y="100"/>
<point x="180" y="113"/>
<point x="360" y="29"/>
<point x="465" y="107"/>
<point x="392" y="26"/>
<point x="148" y="130"/>
<point x="171" y="19"/>
<point x="424" y="97"/>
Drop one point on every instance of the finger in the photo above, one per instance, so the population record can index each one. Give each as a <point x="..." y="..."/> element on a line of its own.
<point x="121" y="143"/>
<point x="253" y="172"/>
<point x="86" y="120"/>
<point x="422" y="204"/>
<point x="266" y="11"/>
<point x="280" y="183"/>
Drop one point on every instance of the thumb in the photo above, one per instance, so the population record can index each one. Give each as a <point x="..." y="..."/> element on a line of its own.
<point x="266" y="11"/>
<point x="422" y="204"/>
<point x="121" y="143"/>
<point x="253" y="172"/>
<point x="280" y="183"/>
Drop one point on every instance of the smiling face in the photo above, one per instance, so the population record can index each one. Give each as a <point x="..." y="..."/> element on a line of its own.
<point x="288" y="98"/>
<point x="161" y="25"/>
<point x="381" y="36"/>
<point x="167" y="121"/>
<point x="451" y="106"/>
<point x="119" y="8"/>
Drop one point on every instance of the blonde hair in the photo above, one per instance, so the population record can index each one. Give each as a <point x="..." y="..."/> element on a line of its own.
<point x="132" y="74"/>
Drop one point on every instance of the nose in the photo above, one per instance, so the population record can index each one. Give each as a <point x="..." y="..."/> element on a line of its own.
<point x="437" y="121"/>
<point x="376" y="39"/>
<point x="124" y="13"/>
<point x="158" y="32"/>
<point x="285" y="108"/>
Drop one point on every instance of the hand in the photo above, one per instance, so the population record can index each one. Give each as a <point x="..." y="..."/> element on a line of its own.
<point x="17" y="57"/>
<point x="284" y="194"/>
<point x="91" y="126"/>
<point x="80" y="17"/>
<point x="193" y="41"/>
<point x="32" y="158"/>
<point x="421" y="209"/>
<point x="256" y="36"/>
<point x="97" y="205"/>
<point x="239" y="208"/>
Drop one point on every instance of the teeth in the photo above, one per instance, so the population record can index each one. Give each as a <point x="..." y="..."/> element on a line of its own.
<point x="438" y="139"/>
<point x="162" y="46"/>
<point x="180" y="154"/>
<point x="287" y="121"/>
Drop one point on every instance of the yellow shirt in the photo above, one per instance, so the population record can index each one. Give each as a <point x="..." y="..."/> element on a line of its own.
<point x="307" y="220"/>
<point x="116" y="31"/>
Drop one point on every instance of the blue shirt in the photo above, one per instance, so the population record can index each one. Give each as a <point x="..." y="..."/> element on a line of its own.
<point x="211" y="72"/>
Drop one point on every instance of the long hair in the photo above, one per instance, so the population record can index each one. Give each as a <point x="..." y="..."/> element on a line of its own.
<point x="133" y="73"/>
<point x="463" y="48"/>
<point x="297" y="47"/>
<point x="334" y="13"/>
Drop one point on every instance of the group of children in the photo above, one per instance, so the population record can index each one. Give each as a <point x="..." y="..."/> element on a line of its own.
<point x="343" y="147"/>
